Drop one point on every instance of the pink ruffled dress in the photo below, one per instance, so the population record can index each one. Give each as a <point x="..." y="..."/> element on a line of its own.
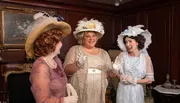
<point x="48" y="84"/>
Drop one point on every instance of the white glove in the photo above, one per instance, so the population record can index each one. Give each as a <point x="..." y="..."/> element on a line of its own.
<point x="131" y="79"/>
<point x="70" y="99"/>
<point x="70" y="90"/>
<point x="80" y="59"/>
<point x="116" y="67"/>
<point x="72" y="94"/>
<point x="123" y="79"/>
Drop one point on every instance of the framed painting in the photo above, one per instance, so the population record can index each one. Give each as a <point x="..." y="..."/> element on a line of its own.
<point x="13" y="26"/>
<point x="14" y="23"/>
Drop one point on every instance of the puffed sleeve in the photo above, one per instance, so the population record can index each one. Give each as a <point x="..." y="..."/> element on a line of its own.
<point x="108" y="61"/>
<point x="149" y="69"/>
<point x="40" y="79"/>
<point x="70" y="56"/>
<point x="119" y="63"/>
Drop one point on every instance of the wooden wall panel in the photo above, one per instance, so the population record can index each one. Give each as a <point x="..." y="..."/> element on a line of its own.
<point x="175" y="55"/>
<point x="15" y="55"/>
<point x="106" y="41"/>
<point x="129" y="20"/>
<point x="117" y="31"/>
<point x="158" y="23"/>
<point x="142" y="18"/>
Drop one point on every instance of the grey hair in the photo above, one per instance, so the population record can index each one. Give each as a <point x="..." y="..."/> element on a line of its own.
<point x="80" y="36"/>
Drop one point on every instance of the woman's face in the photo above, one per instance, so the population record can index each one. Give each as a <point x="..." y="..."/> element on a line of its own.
<point x="90" y="39"/>
<point x="58" y="48"/>
<point x="131" y="44"/>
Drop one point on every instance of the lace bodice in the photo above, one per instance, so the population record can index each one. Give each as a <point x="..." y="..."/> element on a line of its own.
<point x="134" y="66"/>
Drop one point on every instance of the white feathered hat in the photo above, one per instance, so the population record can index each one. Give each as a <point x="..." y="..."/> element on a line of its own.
<point x="134" y="31"/>
<point x="89" y="25"/>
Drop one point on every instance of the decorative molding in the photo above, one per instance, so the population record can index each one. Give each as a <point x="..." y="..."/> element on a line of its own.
<point x="30" y="10"/>
<point x="23" y="68"/>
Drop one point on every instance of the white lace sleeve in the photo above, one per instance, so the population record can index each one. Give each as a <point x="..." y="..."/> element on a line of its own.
<point x="149" y="69"/>
<point x="118" y="63"/>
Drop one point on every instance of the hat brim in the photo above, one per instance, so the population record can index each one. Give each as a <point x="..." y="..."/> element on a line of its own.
<point x="77" y="32"/>
<point x="120" y="43"/>
<point x="29" y="45"/>
<point x="147" y="35"/>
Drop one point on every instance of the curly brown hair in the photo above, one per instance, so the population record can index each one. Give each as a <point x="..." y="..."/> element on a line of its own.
<point x="139" y="38"/>
<point x="46" y="42"/>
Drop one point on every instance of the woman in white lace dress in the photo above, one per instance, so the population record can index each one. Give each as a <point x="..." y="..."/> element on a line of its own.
<point x="88" y="64"/>
<point x="133" y="64"/>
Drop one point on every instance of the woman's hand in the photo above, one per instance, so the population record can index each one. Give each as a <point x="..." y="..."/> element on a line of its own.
<point x="70" y="69"/>
<point x="71" y="90"/>
<point x="131" y="79"/>
<point x="80" y="59"/>
<point x="128" y="79"/>
<point x="111" y="74"/>
<point x="70" y="99"/>
<point x="72" y="94"/>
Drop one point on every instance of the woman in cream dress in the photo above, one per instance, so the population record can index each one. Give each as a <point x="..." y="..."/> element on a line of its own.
<point x="88" y="65"/>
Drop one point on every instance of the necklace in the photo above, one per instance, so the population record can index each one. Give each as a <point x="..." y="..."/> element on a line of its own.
<point x="52" y="64"/>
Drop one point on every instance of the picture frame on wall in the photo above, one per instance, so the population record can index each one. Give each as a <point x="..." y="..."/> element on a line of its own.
<point x="14" y="24"/>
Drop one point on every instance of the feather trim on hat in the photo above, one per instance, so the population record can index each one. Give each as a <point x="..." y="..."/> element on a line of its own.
<point x="91" y="25"/>
<point x="134" y="31"/>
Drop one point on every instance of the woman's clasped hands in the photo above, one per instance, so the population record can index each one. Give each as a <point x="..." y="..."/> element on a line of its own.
<point x="128" y="79"/>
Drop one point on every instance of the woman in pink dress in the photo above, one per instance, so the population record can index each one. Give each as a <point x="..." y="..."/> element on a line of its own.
<point x="48" y="79"/>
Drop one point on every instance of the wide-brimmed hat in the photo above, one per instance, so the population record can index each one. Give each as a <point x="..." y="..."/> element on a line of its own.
<point x="89" y="25"/>
<point x="42" y="24"/>
<point x="134" y="31"/>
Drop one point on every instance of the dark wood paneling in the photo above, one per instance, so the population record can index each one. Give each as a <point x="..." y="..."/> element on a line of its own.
<point x="117" y="31"/>
<point x="106" y="41"/>
<point x="13" y="55"/>
<point x="158" y="23"/>
<point x="175" y="59"/>
<point x="129" y="20"/>
<point x="142" y="18"/>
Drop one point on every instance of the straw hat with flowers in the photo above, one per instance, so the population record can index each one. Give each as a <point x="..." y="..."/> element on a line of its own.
<point x="43" y="22"/>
